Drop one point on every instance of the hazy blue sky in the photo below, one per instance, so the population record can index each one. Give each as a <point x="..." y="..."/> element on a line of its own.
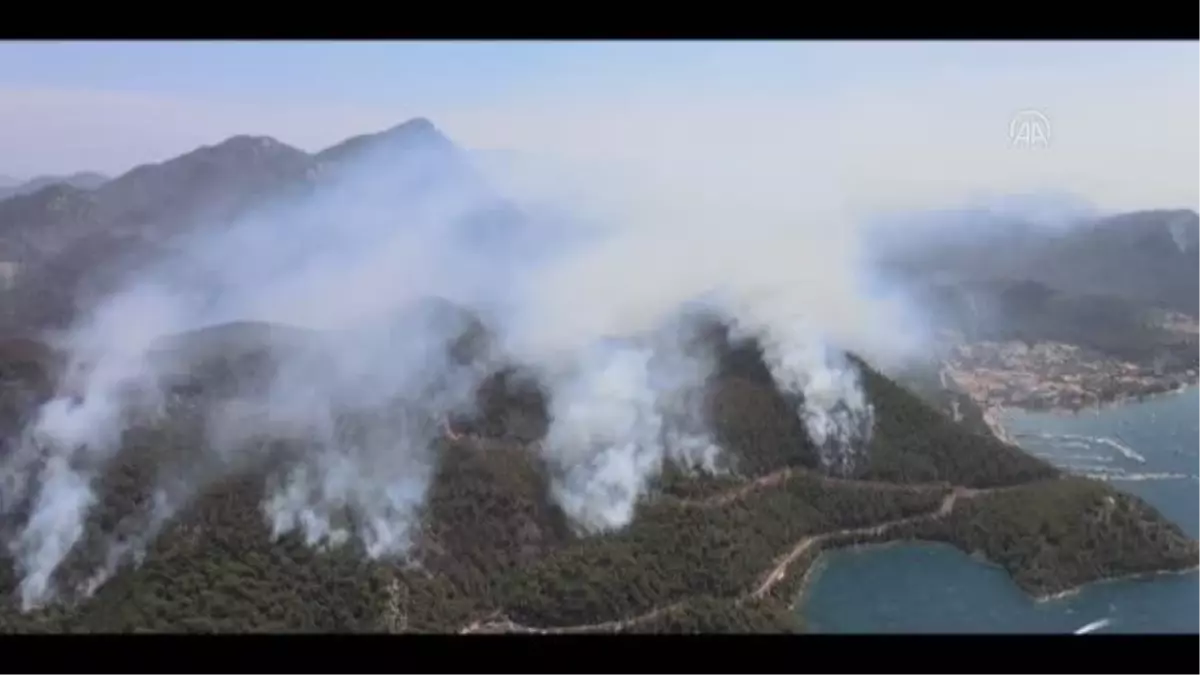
<point x="1127" y="108"/>
<point x="433" y="73"/>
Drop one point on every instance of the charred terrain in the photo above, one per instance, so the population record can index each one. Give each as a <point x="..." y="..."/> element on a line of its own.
<point x="725" y="550"/>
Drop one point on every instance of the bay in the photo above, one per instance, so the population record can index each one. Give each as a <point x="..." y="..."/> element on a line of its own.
<point x="1151" y="449"/>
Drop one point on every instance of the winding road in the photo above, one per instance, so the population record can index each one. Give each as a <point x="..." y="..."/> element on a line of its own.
<point x="497" y="622"/>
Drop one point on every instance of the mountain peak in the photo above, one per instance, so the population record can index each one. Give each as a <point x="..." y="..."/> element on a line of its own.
<point x="416" y="132"/>
<point x="246" y="146"/>
<point x="234" y="154"/>
<point x="246" y="141"/>
<point x="416" y="125"/>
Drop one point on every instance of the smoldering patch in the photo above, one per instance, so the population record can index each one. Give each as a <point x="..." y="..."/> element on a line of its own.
<point x="619" y="412"/>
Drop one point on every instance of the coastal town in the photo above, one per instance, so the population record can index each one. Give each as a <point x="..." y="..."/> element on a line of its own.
<point x="1053" y="376"/>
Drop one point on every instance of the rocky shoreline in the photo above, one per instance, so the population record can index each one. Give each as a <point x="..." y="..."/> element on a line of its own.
<point x="1075" y="590"/>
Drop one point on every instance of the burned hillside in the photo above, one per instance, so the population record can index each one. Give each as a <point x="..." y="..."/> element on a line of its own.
<point x="492" y="541"/>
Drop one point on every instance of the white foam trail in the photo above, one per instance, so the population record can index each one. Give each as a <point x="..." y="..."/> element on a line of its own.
<point x="1140" y="477"/>
<point x="1093" y="626"/>
<point x="1087" y="458"/>
<point x="1125" y="450"/>
<point x="1093" y="468"/>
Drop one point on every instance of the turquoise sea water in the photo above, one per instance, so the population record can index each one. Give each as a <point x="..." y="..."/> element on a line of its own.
<point x="1151" y="449"/>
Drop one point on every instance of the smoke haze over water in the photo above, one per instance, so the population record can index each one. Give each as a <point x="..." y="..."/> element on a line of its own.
<point x="593" y="293"/>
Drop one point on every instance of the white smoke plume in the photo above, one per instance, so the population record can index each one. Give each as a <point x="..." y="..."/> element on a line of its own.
<point x="833" y="406"/>
<point x="76" y="434"/>
<point x="619" y="411"/>
<point x="591" y="294"/>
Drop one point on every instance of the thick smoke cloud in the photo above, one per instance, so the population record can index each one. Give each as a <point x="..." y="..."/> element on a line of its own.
<point x="619" y="411"/>
<point x="592" y="293"/>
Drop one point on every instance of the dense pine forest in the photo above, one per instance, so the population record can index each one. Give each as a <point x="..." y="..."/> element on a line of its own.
<point x="723" y="553"/>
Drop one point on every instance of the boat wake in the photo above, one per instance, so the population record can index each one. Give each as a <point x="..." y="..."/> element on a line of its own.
<point x="1141" y="476"/>
<point x="1094" y="465"/>
<point x="1081" y="442"/>
<point x="1093" y="626"/>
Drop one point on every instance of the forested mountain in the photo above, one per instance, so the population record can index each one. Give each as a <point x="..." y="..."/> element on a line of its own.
<point x="179" y="538"/>
<point x="721" y="553"/>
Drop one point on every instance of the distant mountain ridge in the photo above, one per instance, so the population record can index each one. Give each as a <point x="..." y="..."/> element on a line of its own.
<point x="84" y="180"/>
<point x="208" y="183"/>
<point x="88" y="228"/>
<point x="64" y="240"/>
<point x="1147" y="257"/>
